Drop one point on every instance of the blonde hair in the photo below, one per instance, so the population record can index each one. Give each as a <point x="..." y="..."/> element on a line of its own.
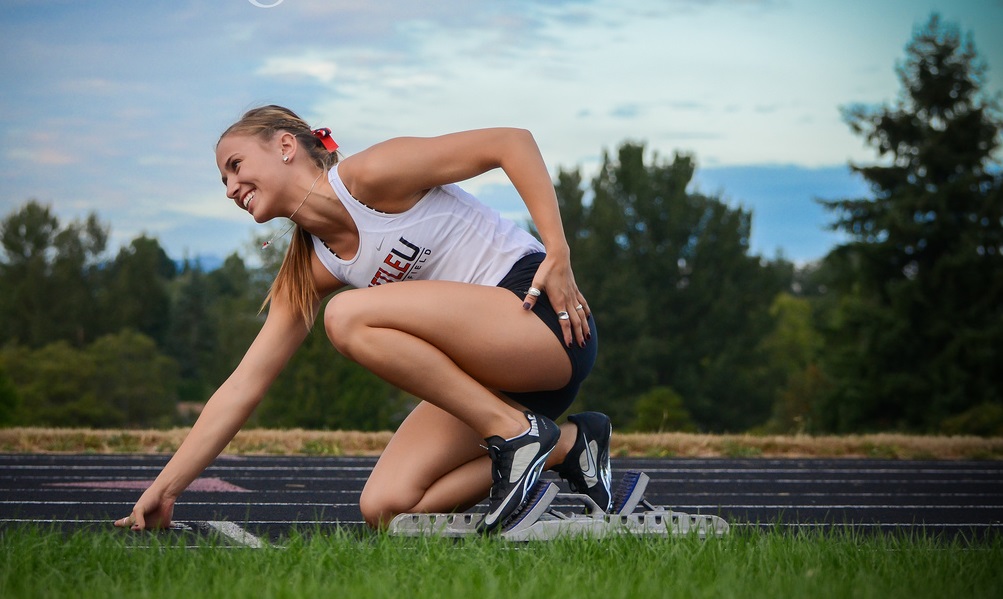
<point x="294" y="282"/>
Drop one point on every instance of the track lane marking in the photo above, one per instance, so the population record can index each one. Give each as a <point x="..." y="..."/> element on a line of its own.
<point x="235" y="533"/>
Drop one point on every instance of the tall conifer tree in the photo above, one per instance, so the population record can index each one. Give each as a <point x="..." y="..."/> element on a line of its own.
<point x="919" y="332"/>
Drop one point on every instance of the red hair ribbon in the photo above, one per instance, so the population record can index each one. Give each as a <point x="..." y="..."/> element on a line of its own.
<point x="324" y="135"/>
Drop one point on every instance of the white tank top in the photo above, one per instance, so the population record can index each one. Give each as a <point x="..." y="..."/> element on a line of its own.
<point x="448" y="235"/>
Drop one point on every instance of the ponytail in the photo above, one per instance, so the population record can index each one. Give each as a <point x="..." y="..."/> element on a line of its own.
<point x="295" y="283"/>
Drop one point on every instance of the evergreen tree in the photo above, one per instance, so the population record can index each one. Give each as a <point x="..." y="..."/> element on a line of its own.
<point x="680" y="302"/>
<point x="136" y="294"/>
<point x="10" y="402"/>
<point x="49" y="276"/>
<point x="916" y="337"/>
<point x="235" y="295"/>
<point x="192" y="339"/>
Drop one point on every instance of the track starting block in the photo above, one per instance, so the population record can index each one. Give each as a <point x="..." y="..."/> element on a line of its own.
<point x="539" y="519"/>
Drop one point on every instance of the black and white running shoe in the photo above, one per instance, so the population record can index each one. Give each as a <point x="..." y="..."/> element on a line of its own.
<point x="516" y="466"/>
<point x="587" y="468"/>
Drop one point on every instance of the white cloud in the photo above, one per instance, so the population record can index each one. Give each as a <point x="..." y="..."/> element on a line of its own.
<point x="318" y="68"/>
<point x="210" y="205"/>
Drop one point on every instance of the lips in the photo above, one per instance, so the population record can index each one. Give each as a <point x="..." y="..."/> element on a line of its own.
<point x="247" y="199"/>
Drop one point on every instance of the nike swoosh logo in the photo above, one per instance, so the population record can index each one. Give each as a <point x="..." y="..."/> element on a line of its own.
<point x="379" y="245"/>
<point x="591" y="471"/>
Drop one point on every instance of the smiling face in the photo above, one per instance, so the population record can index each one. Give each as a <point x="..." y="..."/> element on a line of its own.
<point x="254" y="174"/>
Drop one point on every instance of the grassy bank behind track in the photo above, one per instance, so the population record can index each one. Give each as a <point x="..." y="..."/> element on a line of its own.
<point x="353" y="443"/>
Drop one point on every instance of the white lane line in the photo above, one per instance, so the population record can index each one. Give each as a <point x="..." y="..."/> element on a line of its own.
<point x="681" y="506"/>
<point x="120" y="467"/>
<point x="864" y="525"/>
<point x="250" y="481"/>
<point x="961" y="469"/>
<point x="50" y="490"/>
<point x="187" y="503"/>
<point x="784" y="495"/>
<point x="835" y="494"/>
<point x="806" y="469"/>
<point x="179" y="525"/>
<point x="115" y="461"/>
<point x="235" y="533"/>
<point x="77" y="491"/>
<point x="47" y="489"/>
<point x="360" y="523"/>
<point x="107" y="521"/>
<point x="845" y="506"/>
<point x="830" y="481"/>
<point x="173" y="526"/>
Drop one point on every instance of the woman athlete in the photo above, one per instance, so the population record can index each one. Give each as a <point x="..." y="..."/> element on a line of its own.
<point x="451" y="303"/>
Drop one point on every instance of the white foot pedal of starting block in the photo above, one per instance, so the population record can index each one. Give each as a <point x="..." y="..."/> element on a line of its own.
<point x="465" y="524"/>
<point x="538" y="520"/>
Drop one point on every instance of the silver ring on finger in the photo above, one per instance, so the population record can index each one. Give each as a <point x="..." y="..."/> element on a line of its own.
<point x="533" y="291"/>
<point x="579" y="307"/>
<point x="562" y="315"/>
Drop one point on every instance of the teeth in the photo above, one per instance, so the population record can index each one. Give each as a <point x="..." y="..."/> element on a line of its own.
<point x="247" y="199"/>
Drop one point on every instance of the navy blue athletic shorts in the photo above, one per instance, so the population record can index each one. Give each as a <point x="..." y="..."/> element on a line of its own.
<point x="555" y="402"/>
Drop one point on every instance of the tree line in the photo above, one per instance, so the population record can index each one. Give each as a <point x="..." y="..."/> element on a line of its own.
<point x="898" y="329"/>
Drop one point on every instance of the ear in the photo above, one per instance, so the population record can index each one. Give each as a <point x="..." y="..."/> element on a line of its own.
<point x="287" y="144"/>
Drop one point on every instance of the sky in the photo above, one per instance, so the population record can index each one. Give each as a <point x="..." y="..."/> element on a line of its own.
<point x="114" y="107"/>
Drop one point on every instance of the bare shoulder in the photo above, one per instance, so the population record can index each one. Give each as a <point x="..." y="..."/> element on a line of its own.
<point x="393" y="171"/>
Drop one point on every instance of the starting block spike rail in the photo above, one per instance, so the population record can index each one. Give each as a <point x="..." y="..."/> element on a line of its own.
<point x="630" y="492"/>
<point x="541" y="496"/>
<point x="539" y="520"/>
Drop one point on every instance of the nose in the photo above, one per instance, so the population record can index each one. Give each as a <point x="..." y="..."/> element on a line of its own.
<point x="232" y="190"/>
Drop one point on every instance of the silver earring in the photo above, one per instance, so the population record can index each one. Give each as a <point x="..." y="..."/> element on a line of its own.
<point x="285" y="159"/>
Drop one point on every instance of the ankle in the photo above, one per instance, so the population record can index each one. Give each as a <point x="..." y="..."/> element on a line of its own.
<point x="514" y="427"/>
<point x="569" y="432"/>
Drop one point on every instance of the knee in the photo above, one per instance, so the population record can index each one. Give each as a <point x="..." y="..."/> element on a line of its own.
<point x="343" y="321"/>
<point x="378" y="509"/>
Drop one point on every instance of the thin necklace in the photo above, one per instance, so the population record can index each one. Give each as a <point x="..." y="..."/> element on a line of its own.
<point x="292" y="224"/>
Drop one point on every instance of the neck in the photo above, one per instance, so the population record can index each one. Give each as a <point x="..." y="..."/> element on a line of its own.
<point x="309" y="191"/>
<point x="326" y="217"/>
<point x="283" y="234"/>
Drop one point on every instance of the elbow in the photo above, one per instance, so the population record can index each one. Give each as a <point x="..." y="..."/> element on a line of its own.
<point x="521" y="137"/>
<point x="516" y="142"/>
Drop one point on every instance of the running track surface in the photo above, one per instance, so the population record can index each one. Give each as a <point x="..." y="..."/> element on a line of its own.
<point x="254" y="499"/>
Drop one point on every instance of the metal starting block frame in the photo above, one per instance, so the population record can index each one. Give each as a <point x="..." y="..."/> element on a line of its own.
<point x="539" y="520"/>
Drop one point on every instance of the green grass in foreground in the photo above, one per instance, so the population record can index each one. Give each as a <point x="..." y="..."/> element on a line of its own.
<point x="36" y="562"/>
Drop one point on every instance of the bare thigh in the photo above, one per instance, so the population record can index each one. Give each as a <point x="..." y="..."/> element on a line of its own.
<point x="483" y="330"/>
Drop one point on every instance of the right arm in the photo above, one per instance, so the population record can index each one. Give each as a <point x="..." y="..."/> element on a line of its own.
<point x="390" y="176"/>
<point x="226" y="411"/>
